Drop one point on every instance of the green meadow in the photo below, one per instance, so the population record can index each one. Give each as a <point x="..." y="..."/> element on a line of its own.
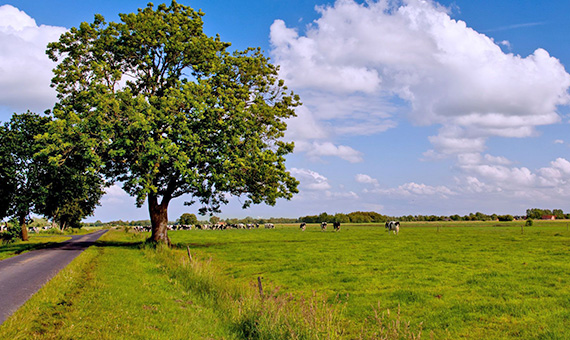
<point x="458" y="280"/>
<point x="471" y="280"/>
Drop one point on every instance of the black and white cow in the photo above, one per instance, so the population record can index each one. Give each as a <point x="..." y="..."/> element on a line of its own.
<point x="323" y="226"/>
<point x="393" y="226"/>
<point x="303" y="226"/>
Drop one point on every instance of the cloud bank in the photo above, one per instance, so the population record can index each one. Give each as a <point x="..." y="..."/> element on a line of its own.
<point x="25" y="69"/>
<point x="379" y="53"/>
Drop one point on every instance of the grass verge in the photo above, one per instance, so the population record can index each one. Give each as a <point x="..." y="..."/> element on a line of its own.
<point x="122" y="289"/>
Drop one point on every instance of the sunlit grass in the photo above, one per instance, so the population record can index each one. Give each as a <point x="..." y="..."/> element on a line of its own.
<point x="484" y="280"/>
<point x="122" y="289"/>
<point x="494" y="281"/>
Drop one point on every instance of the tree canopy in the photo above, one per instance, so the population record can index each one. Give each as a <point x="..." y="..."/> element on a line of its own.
<point x="22" y="172"/>
<point x="187" y="219"/>
<point x="33" y="182"/>
<point x="168" y="111"/>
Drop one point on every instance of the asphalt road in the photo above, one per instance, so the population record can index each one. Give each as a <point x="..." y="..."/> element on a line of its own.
<point x="23" y="275"/>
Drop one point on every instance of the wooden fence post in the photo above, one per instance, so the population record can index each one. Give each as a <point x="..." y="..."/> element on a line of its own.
<point x="189" y="254"/>
<point x="260" y="286"/>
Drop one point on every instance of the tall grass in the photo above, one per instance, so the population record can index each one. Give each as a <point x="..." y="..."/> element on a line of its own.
<point x="124" y="288"/>
<point x="255" y="315"/>
<point x="486" y="281"/>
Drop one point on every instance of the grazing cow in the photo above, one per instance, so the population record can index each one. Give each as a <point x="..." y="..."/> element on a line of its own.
<point x="393" y="226"/>
<point x="323" y="226"/>
<point x="269" y="226"/>
<point x="303" y="226"/>
<point x="336" y="226"/>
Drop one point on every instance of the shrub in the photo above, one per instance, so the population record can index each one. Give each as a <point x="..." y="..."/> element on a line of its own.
<point x="529" y="222"/>
<point x="11" y="235"/>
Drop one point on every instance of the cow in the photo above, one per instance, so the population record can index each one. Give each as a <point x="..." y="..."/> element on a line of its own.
<point x="323" y="226"/>
<point x="336" y="226"/>
<point x="393" y="226"/>
<point x="269" y="226"/>
<point x="303" y="226"/>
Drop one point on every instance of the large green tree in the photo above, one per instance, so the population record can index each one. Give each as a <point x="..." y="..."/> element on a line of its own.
<point x="22" y="172"/>
<point x="37" y="178"/>
<point x="7" y="172"/>
<point x="169" y="111"/>
<point x="73" y="183"/>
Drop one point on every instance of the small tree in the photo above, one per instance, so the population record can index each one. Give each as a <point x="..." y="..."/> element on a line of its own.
<point x="192" y="118"/>
<point x="24" y="172"/>
<point x="187" y="219"/>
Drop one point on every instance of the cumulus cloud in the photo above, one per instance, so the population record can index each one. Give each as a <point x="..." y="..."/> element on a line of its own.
<point x="316" y="150"/>
<point x="115" y="194"/>
<point x="416" y="189"/>
<point x="365" y="179"/>
<point x="310" y="179"/>
<point x="558" y="141"/>
<point x="25" y="69"/>
<point x="487" y="174"/>
<point x="449" y="74"/>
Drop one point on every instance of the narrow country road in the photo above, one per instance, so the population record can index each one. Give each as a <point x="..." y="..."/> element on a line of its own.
<point x="23" y="275"/>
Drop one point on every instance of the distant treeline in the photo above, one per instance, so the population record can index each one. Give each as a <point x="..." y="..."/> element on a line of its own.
<point x="359" y="217"/>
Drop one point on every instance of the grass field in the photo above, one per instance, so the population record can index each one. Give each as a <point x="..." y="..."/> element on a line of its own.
<point x="482" y="280"/>
<point x="39" y="241"/>
<point x="458" y="280"/>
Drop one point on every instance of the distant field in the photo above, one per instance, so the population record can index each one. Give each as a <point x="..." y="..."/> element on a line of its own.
<point x="476" y="280"/>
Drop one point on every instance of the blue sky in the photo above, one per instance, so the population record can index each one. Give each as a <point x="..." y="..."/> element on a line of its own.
<point x="412" y="107"/>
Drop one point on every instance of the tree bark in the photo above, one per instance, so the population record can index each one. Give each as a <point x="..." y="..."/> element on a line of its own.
<point x="24" y="233"/>
<point x="159" y="220"/>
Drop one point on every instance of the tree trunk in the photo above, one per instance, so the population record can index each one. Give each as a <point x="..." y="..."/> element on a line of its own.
<point x="24" y="234"/>
<point x="159" y="220"/>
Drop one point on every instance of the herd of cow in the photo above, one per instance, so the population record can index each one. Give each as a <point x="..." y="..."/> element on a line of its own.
<point x="216" y="226"/>
<point x="390" y="226"/>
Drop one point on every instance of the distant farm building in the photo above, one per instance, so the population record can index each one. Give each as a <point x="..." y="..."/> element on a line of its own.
<point x="548" y="217"/>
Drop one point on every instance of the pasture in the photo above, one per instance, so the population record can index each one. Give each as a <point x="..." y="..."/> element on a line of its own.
<point x="469" y="280"/>
<point x="478" y="280"/>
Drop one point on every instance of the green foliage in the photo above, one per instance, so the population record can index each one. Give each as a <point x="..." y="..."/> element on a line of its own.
<point x="192" y="119"/>
<point x="539" y="213"/>
<point x="22" y="171"/>
<point x="187" y="219"/>
<point x="353" y="217"/>
<point x="12" y="234"/>
<point x="504" y="218"/>
<point x="529" y="222"/>
<point x="63" y="191"/>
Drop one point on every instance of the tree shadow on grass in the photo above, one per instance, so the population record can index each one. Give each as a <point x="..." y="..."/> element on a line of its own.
<point x="8" y="250"/>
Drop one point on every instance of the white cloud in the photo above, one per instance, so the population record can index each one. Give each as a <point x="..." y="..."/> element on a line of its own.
<point x="416" y="189"/>
<point x="491" y="174"/>
<point x="449" y="74"/>
<point x="316" y="150"/>
<point x="341" y="195"/>
<point x="362" y="178"/>
<point x="558" y="141"/>
<point x="115" y="194"/>
<point x="310" y="179"/>
<point x="25" y="69"/>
